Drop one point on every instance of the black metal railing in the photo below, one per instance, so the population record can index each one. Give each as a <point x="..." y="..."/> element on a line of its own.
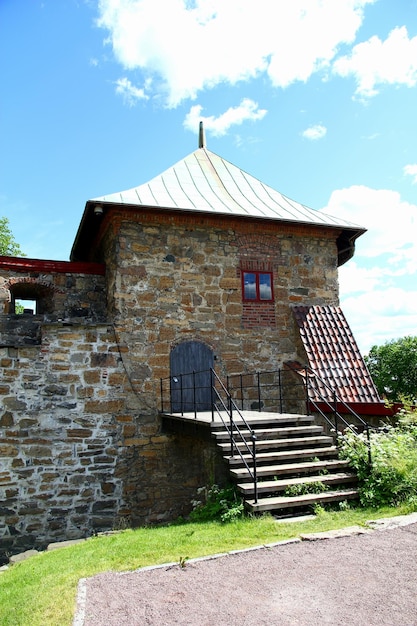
<point x="276" y="391"/>
<point x="225" y="408"/>
<point x="292" y="389"/>
<point x="320" y="396"/>
<point x="190" y="393"/>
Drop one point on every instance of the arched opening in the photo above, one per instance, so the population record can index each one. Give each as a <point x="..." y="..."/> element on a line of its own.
<point x="31" y="299"/>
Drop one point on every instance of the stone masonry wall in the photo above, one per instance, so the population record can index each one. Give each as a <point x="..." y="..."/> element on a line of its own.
<point x="178" y="278"/>
<point x="80" y="452"/>
<point x="82" y="446"/>
<point x="60" y="295"/>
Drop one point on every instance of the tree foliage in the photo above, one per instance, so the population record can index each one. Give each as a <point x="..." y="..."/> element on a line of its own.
<point x="393" y="367"/>
<point x="8" y="245"/>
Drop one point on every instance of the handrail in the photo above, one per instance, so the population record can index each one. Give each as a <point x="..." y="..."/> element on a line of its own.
<point x="337" y="401"/>
<point x="217" y="405"/>
<point x="229" y="408"/>
<point x="224" y="398"/>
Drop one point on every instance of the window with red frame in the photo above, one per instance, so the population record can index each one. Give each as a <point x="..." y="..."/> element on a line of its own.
<point x="257" y="286"/>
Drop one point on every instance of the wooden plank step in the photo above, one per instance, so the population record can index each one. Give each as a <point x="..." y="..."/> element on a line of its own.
<point x="275" y="432"/>
<point x="254" y="419"/>
<point x="282" y="502"/>
<point x="282" y="443"/>
<point x="264" y="457"/>
<point x="268" y="486"/>
<point x="241" y="473"/>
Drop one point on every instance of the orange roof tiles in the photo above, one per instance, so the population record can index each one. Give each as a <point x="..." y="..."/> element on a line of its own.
<point x="333" y="354"/>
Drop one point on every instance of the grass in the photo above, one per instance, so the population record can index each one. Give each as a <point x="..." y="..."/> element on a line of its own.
<point x="41" y="591"/>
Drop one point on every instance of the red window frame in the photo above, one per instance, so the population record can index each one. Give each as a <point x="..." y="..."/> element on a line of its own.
<point x="257" y="283"/>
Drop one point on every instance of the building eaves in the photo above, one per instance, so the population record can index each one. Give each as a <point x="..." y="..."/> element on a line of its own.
<point x="205" y="183"/>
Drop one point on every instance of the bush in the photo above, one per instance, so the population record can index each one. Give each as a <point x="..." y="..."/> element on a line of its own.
<point x="217" y="504"/>
<point x="305" y="488"/>
<point x="392" y="479"/>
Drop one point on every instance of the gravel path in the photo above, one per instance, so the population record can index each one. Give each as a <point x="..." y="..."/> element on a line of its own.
<point x="359" y="580"/>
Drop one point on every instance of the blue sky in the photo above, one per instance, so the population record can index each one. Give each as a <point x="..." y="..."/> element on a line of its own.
<point x="317" y="98"/>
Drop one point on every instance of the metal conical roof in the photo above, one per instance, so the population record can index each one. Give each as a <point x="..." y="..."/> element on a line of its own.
<point x="205" y="182"/>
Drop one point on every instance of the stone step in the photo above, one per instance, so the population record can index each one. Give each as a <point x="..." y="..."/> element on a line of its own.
<point x="279" y="456"/>
<point x="289" y="469"/>
<point x="271" y="486"/>
<point x="272" y="433"/>
<point x="283" y="502"/>
<point x="268" y="444"/>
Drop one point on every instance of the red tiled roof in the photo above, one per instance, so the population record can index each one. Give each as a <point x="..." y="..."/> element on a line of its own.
<point x="333" y="354"/>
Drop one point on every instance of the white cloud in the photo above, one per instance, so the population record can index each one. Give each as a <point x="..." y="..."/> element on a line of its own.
<point x="375" y="62"/>
<point x="315" y="132"/>
<point x="391" y="222"/>
<point x="218" y="126"/>
<point x="411" y="170"/>
<point x="381" y="315"/>
<point x="129" y="92"/>
<point x="356" y="279"/>
<point x="377" y="287"/>
<point x="190" y="46"/>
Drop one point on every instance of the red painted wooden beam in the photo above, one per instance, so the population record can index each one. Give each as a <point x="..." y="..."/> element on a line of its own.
<point x="23" y="264"/>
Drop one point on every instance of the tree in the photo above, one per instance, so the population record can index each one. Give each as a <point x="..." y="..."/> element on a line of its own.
<point x="393" y="367"/>
<point x="8" y="245"/>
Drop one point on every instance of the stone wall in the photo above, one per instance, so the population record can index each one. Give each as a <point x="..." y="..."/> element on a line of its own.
<point x="178" y="278"/>
<point x="61" y="291"/>
<point x="81" y="441"/>
<point x="80" y="450"/>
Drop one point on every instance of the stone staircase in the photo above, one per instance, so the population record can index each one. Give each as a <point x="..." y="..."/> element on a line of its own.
<point x="293" y="457"/>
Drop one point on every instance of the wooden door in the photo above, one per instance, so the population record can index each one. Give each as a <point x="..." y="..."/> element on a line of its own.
<point x="190" y="364"/>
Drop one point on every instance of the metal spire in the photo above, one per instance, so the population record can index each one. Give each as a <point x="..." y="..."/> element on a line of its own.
<point x="201" y="137"/>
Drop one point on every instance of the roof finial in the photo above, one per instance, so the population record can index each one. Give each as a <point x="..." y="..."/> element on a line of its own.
<point x="201" y="137"/>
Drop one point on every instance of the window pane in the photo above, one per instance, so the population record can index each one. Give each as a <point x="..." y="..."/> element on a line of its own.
<point x="265" y="287"/>
<point x="249" y="281"/>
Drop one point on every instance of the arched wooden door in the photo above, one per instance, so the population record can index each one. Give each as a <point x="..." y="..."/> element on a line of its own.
<point x="190" y="364"/>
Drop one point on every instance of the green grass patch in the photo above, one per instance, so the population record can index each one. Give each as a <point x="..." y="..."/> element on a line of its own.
<point x="42" y="590"/>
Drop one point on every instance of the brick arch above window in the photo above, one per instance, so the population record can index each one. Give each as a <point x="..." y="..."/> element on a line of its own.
<point x="257" y="242"/>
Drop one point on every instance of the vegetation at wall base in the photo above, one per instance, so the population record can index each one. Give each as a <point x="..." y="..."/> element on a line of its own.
<point x="392" y="479"/>
<point x="223" y="504"/>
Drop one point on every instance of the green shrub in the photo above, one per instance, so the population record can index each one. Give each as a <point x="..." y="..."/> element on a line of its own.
<point x="217" y="503"/>
<point x="392" y="479"/>
<point x="304" y="488"/>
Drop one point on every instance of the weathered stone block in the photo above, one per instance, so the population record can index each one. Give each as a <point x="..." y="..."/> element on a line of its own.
<point x="79" y="433"/>
<point x="91" y="376"/>
<point x="8" y="450"/>
<point x="104" y="406"/>
<point x="102" y="359"/>
<point x="14" y="404"/>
